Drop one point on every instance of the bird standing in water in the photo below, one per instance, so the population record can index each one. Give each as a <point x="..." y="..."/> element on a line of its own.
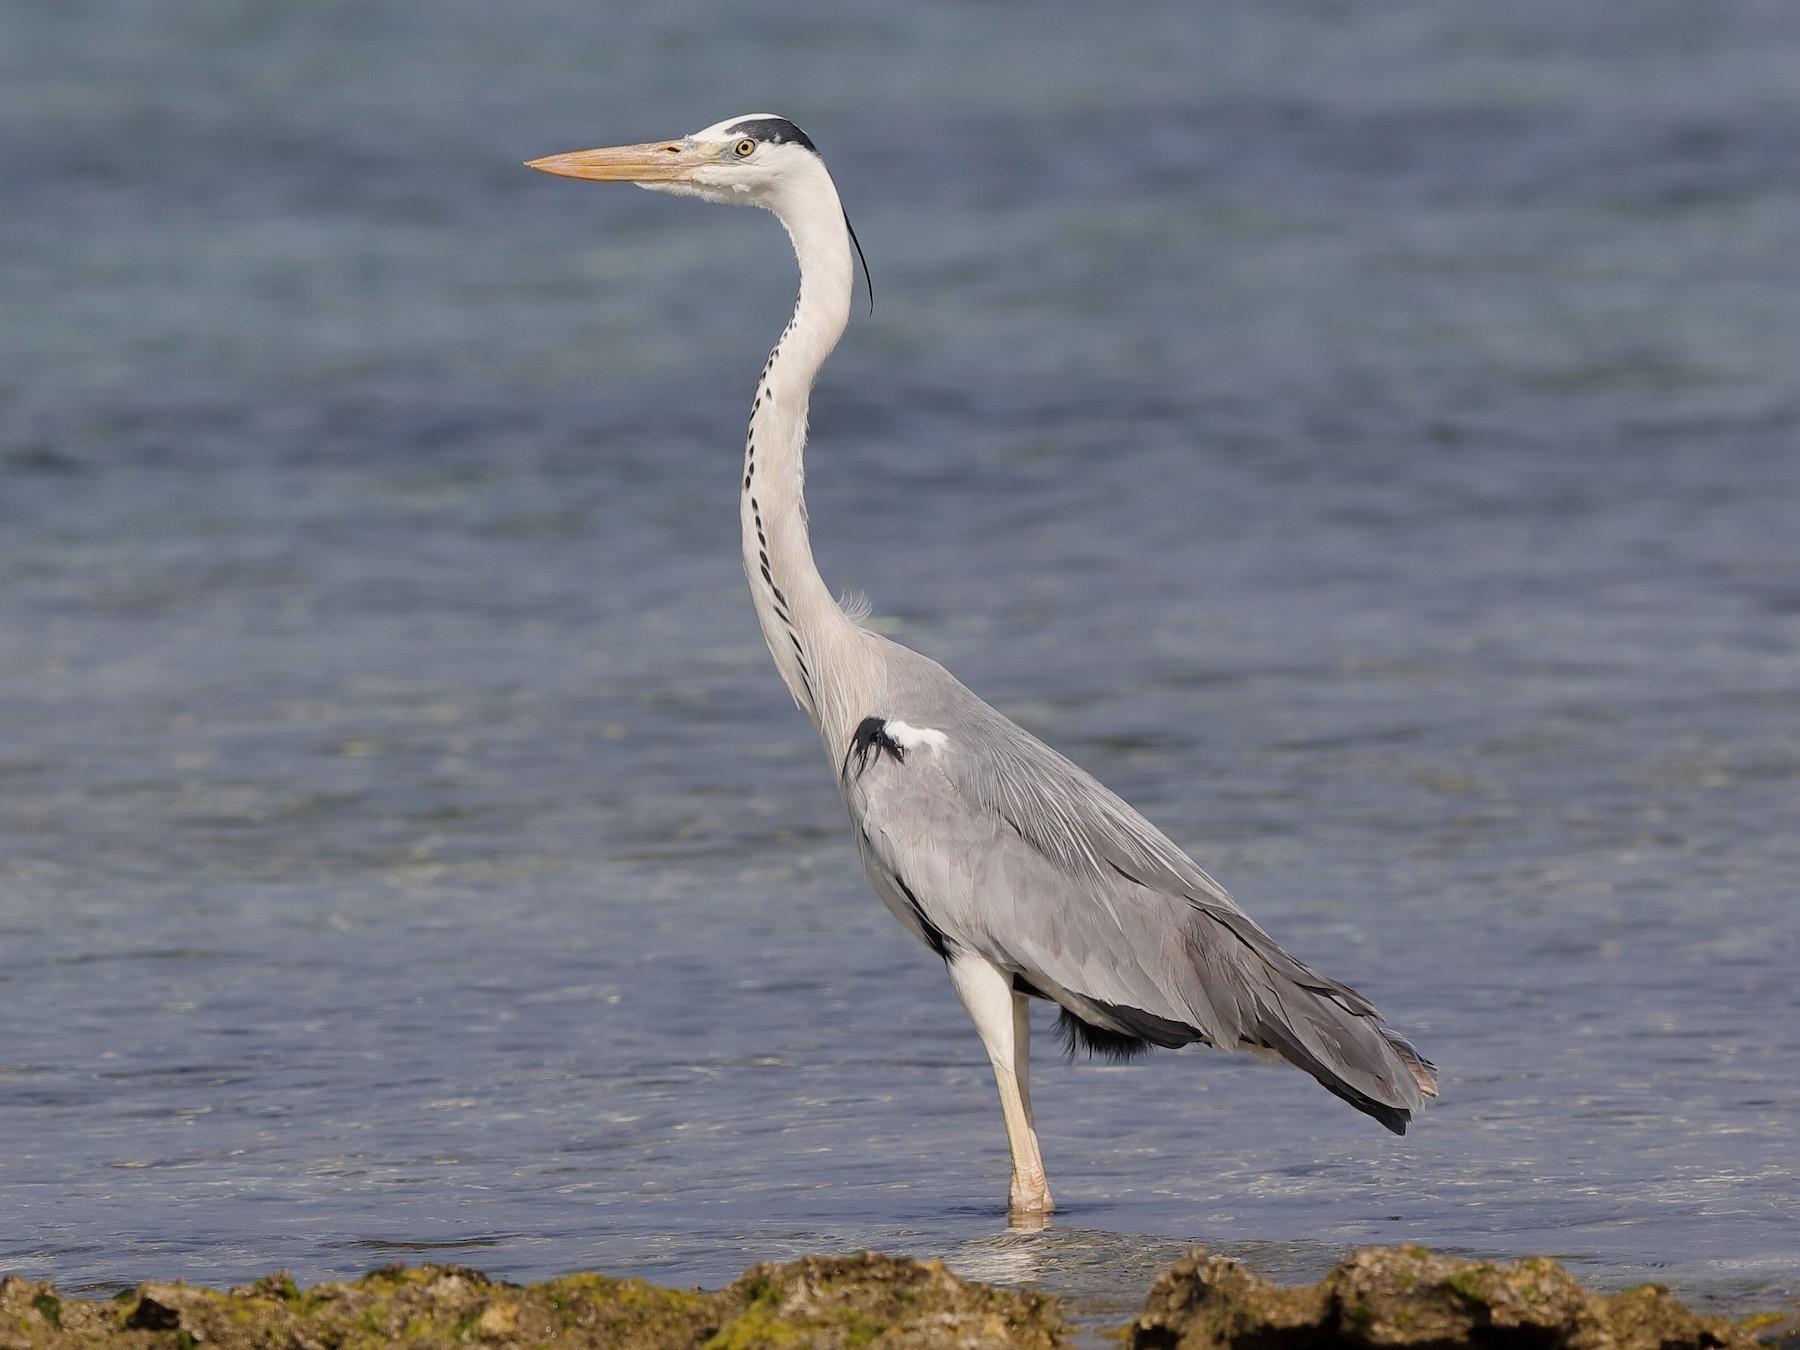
<point x="1018" y="868"/>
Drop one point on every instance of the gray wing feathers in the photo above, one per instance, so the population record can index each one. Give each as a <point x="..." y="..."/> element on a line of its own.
<point x="1015" y="851"/>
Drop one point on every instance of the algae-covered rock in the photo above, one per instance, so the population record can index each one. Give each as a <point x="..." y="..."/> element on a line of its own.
<point x="1406" y="1298"/>
<point x="881" y="1301"/>
<point x="819" y="1303"/>
<point x="1394" y="1298"/>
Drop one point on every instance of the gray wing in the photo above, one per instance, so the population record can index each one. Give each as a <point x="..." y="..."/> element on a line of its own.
<point x="978" y="835"/>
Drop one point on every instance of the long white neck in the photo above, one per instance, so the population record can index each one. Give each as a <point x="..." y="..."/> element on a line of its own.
<point x="816" y="647"/>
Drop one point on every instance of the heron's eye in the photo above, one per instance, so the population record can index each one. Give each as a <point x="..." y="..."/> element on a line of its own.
<point x="746" y="148"/>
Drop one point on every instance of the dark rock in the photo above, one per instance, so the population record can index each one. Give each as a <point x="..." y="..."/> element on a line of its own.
<point x="153" y="1315"/>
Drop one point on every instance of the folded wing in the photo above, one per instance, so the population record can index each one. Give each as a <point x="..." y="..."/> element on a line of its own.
<point x="978" y="835"/>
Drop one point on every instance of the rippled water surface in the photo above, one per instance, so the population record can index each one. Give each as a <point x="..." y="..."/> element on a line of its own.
<point x="1366" y="435"/>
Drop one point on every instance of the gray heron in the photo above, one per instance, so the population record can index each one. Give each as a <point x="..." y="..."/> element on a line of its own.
<point x="1018" y="868"/>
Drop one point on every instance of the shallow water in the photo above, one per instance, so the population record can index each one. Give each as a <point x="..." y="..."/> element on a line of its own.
<point x="1364" y="435"/>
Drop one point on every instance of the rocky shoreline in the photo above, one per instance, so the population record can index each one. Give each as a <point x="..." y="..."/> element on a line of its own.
<point x="1380" y="1298"/>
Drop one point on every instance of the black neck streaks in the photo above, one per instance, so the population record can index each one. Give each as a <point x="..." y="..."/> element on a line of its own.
<point x="780" y="600"/>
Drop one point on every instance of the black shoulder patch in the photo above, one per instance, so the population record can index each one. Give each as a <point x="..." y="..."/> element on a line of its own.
<point x="869" y="741"/>
<point x="772" y="131"/>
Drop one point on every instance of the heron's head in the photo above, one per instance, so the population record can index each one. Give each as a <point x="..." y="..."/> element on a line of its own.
<point x="755" y="159"/>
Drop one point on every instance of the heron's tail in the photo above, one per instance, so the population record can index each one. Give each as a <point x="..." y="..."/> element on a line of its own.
<point x="1312" y="1021"/>
<point x="1366" y="1080"/>
<point x="1236" y="988"/>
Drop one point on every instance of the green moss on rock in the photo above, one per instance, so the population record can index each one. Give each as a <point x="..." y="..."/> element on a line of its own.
<point x="880" y="1301"/>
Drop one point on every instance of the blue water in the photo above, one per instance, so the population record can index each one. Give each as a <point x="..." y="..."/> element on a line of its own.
<point x="1366" y="435"/>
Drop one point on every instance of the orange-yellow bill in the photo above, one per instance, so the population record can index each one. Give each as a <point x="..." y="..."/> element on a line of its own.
<point x="655" y="162"/>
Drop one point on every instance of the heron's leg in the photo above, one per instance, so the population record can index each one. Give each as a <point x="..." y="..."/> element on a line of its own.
<point x="1028" y="1210"/>
<point x="999" y="1015"/>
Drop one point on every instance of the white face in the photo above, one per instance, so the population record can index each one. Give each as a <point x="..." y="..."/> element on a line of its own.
<point x="739" y="160"/>
<point x="748" y="160"/>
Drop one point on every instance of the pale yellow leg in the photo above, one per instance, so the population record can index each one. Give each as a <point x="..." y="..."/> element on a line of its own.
<point x="1000" y="1017"/>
